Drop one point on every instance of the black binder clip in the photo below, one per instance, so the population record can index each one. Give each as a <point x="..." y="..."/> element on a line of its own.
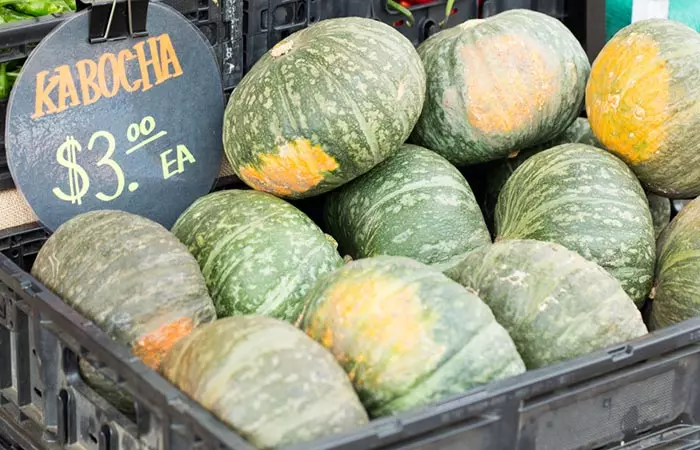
<point x="111" y="20"/>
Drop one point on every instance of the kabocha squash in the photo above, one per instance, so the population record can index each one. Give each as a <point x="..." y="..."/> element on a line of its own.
<point x="258" y="254"/>
<point x="131" y="277"/>
<point x="323" y="106"/>
<point x="660" y="208"/>
<point x="677" y="284"/>
<point x="498" y="172"/>
<point x="413" y="204"/>
<point x="641" y="100"/>
<point x="406" y="334"/>
<point x="555" y="304"/>
<point x="499" y="85"/>
<point x="588" y="201"/>
<point x="266" y="379"/>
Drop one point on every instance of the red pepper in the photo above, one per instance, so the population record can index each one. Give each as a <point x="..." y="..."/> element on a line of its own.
<point x="403" y="6"/>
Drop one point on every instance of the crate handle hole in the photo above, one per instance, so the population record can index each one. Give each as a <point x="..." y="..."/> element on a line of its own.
<point x="38" y="392"/>
<point x="93" y="438"/>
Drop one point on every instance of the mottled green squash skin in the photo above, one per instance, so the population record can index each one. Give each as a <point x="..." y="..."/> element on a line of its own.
<point x="266" y="379"/>
<point x="555" y="304"/>
<point x="132" y="278"/>
<point x="677" y="284"/>
<point x="641" y="101"/>
<point x="413" y="204"/>
<point x="499" y="171"/>
<point x="499" y="85"/>
<point x="258" y="254"/>
<point x="406" y="334"/>
<point x="323" y="106"/>
<point x="588" y="201"/>
<point x="660" y="208"/>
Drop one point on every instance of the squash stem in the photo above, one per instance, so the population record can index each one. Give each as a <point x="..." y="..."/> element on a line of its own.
<point x="448" y="12"/>
<point x="403" y="10"/>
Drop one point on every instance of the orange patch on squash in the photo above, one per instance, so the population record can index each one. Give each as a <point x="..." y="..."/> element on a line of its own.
<point x="297" y="167"/>
<point x="378" y="328"/>
<point x="627" y="98"/>
<point x="508" y="82"/>
<point x="152" y="347"/>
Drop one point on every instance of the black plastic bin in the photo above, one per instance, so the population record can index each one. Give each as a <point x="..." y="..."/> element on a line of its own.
<point x="646" y="390"/>
<point x="554" y="8"/>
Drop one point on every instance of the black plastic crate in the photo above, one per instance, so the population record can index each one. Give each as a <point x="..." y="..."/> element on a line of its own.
<point x="266" y="22"/>
<point x="554" y="8"/>
<point x="645" y="393"/>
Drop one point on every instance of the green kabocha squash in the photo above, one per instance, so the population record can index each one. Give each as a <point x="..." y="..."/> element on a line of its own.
<point x="588" y="201"/>
<point x="498" y="172"/>
<point x="677" y="284"/>
<point x="406" y="334"/>
<point x="259" y="254"/>
<point x="499" y="85"/>
<point x="413" y="204"/>
<point x="323" y="106"/>
<point x="640" y="101"/>
<point x="660" y="208"/>
<point x="132" y="278"/>
<point x="554" y="303"/>
<point x="266" y="379"/>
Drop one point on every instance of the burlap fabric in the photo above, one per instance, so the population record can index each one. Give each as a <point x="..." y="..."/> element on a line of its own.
<point x="14" y="211"/>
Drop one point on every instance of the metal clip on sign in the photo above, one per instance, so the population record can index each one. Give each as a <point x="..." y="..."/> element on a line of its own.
<point x="111" y="20"/>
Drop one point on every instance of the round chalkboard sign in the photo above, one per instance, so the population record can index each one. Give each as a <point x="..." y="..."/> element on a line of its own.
<point x="133" y="124"/>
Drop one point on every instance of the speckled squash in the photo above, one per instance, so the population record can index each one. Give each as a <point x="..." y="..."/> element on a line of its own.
<point x="660" y="208"/>
<point x="499" y="85"/>
<point x="266" y="379"/>
<point x="413" y="204"/>
<point x="259" y="254"/>
<point x="406" y="334"/>
<point x="555" y="304"/>
<point x="641" y="100"/>
<point x="498" y="172"/>
<point x="323" y="106"/>
<point x="132" y="278"/>
<point x="677" y="283"/>
<point x="590" y="202"/>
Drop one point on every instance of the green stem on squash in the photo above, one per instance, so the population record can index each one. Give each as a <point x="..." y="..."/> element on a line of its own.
<point x="448" y="12"/>
<point x="405" y="11"/>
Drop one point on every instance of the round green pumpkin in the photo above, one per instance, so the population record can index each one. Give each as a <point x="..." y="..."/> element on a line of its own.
<point x="406" y="334"/>
<point x="677" y="284"/>
<point x="555" y="304"/>
<point x="499" y="85"/>
<point x="323" y="106"/>
<point x="132" y="278"/>
<point x="660" y="208"/>
<point x="641" y="99"/>
<point x="588" y="201"/>
<point x="498" y="172"/>
<point x="266" y="379"/>
<point x="413" y="204"/>
<point x="258" y="254"/>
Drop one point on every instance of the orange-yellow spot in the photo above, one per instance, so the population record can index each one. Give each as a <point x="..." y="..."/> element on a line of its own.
<point x="377" y="326"/>
<point x="508" y="83"/>
<point x="152" y="347"/>
<point x="627" y="97"/>
<point x="297" y="167"/>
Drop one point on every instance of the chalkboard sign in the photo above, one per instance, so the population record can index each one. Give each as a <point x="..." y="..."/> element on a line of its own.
<point x="133" y="124"/>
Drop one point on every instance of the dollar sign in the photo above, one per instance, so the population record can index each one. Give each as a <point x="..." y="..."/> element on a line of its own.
<point x="78" y="180"/>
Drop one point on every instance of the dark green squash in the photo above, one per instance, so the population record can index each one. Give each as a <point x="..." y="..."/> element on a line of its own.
<point x="554" y="303"/>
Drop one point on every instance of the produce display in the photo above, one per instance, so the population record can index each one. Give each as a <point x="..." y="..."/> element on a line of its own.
<point x="587" y="200"/>
<point x="644" y="113"/>
<point x="677" y="287"/>
<point x="258" y="254"/>
<point x="555" y="304"/>
<point x="499" y="85"/>
<point x="413" y="204"/>
<point x="268" y="380"/>
<point x="406" y="334"/>
<point x="352" y="275"/>
<point x="323" y="106"/>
